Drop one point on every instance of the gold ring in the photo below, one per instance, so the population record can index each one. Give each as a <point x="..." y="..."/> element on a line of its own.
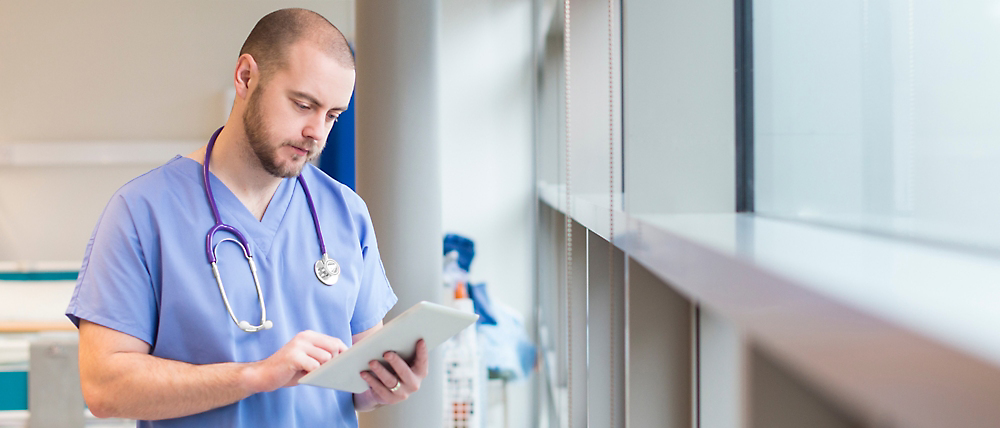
<point x="396" y="388"/>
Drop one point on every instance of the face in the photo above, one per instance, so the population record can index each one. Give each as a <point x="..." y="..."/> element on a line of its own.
<point x="288" y="118"/>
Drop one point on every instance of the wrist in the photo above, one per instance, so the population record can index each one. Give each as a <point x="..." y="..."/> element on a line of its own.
<point x="365" y="401"/>
<point x="249" y="378"/>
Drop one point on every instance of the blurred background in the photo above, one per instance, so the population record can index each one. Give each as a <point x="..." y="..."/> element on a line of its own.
<point x="95" y="94"/>
<point x="723" y="213"/>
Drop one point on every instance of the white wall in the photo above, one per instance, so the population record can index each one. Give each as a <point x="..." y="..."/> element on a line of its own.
<point x="119" y="69"/>
<point x="487" y="153"/>
<point x="110" y="70"/>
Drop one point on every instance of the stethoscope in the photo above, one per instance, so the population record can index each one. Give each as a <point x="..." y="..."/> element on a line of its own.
<point x="327" y="269"/>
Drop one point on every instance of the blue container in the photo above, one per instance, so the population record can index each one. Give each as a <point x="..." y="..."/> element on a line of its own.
<point x="13" y="390"/>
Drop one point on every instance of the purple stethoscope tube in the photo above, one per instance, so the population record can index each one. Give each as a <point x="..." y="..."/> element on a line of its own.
<point x="218" y="221"/>
<point x="327" y="270"/>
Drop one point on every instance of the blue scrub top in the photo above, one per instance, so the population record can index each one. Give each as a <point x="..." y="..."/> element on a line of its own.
<point x="145" y="273"/>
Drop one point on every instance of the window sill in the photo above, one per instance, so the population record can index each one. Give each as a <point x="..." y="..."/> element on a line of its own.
<point x="885" y="326"/>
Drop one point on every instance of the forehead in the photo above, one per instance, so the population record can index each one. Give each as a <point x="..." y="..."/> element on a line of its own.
<point x="307" y="68"/>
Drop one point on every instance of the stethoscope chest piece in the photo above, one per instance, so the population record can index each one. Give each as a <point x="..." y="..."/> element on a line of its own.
<point x="327" y="270"/>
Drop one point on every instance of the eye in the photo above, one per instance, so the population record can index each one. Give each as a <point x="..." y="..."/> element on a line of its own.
<point x="332" y="118"/>
<point x="301" y="106"/>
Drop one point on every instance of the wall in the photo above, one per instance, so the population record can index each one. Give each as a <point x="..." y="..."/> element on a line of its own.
<point x="110" y="70"/>
<point x="487" y="154"/>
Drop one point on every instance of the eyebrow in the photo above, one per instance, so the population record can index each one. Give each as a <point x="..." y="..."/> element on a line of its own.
<point x="311" y="99"/>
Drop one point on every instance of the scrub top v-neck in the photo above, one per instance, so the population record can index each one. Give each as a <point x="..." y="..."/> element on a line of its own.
<point x="145" y="274"/>
<point x="262" y="231"/>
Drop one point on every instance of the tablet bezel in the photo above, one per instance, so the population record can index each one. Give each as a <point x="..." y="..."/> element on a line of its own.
<point x="425" y="320"/>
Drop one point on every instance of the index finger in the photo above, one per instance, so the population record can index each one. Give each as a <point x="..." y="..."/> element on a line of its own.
<point x="420" y="362"/>
<point x="330" y="344"/>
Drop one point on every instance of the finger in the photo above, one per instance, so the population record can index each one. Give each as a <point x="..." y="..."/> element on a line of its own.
<point x="295" y="379"/>
<point x="319" y="354"/>
<point x="422" y="360"/>
<point x="382" y="394"/>
<point x="331" y="344"/>
<point x="388" y="379"/>
<point x="303" y="362"/>
<point x="410" y="381"/>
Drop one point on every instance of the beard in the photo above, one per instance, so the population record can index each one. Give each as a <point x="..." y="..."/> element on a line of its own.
<point x="261" y="142"/>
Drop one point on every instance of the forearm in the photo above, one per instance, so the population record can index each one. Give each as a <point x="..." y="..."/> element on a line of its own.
<point x="141" y="386"/>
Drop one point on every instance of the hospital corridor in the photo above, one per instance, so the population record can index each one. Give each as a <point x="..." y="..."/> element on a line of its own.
<point x="500" y="213"/>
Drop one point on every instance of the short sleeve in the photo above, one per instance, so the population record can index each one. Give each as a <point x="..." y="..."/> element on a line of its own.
<point x="114" y="288"/>
<point x="375" y="296"/>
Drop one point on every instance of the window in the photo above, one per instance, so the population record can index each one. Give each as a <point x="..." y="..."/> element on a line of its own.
<point x="880" y="115"/>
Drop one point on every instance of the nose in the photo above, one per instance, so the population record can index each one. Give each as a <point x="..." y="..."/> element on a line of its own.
<point x="316" y="129"/>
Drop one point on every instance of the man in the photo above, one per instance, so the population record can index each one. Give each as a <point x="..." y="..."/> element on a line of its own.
<point x="157" y="342"/>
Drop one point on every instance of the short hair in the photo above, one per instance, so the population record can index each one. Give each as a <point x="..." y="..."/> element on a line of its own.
<point x="269" y="40"/>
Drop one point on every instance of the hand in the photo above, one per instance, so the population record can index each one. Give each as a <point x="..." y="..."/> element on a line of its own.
<point x="303" y="354"/>
<point x="387" y="388"/>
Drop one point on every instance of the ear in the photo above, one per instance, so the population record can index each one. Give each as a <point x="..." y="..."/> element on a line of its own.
<point x="246" y="72"/>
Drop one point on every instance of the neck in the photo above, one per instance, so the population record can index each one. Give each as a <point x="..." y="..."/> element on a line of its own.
<point x="234" y="163"/>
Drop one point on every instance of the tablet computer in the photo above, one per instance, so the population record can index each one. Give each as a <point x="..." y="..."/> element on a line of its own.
<point x="429" y="321"/>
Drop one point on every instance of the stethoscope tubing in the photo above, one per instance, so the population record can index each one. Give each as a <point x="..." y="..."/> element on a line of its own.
<point x="241" y="240"/>
<point x="219" y="225"/>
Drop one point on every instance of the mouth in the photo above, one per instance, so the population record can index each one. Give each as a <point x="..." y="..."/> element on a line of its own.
<point x="298" y="150"/>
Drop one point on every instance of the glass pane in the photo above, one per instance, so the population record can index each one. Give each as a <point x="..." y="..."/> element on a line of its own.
<point x="880" y="115"/>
